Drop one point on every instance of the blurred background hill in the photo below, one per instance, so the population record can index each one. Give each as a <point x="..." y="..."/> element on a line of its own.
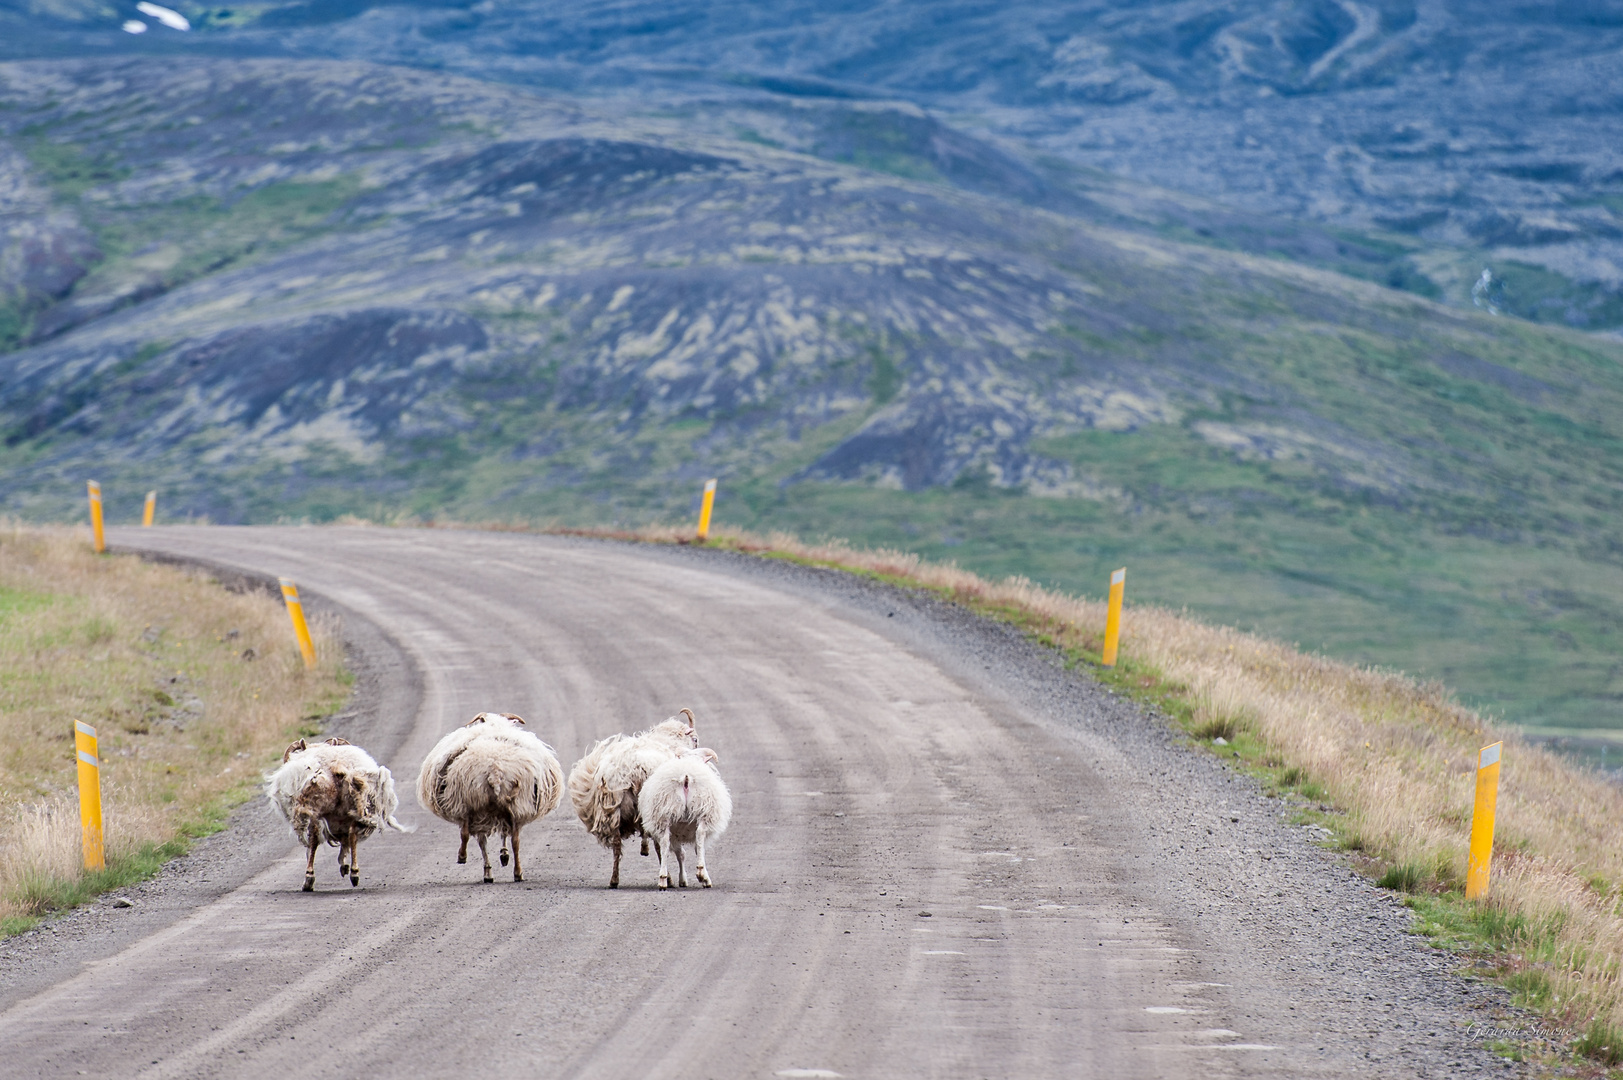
<point x="1306" y="312"/>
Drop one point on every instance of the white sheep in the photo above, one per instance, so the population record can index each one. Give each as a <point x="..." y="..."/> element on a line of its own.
<point x="684" y="802"/>
<point x="604" y="785"/>
<point x="333" y="791"/>
<point x="490" y="776"/>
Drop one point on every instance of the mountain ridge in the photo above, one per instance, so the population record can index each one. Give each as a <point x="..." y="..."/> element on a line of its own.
<point x="328" y="288"/>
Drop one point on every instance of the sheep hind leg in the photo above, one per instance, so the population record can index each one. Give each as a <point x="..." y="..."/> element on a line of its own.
<point x="518" y="868"/>
<point x="644" y="841"/>
<point x="614" y="878"/>
<point x="698" y="860"/>
<point x="462" y="852"/>
<point x="310" y="867"/>
<point x="354" y="859"/>
<point x="486" y="855"/>
<point x="662" y="844"/>
<point x="503" y="855"/>
<point x="681" y="867"/>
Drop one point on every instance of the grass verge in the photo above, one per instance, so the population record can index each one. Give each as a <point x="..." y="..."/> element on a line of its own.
<point x="1382" y="764"/>
<point x="193" y="690"/>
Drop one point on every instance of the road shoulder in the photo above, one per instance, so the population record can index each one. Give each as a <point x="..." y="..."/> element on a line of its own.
<point x="379" y="714"/>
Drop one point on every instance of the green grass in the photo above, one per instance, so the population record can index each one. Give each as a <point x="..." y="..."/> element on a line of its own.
<point x="45" y="896"/>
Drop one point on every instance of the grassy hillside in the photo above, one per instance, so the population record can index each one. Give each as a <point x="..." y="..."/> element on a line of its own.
<point x="343" y="289"/>
<point x="1382" y="481"/>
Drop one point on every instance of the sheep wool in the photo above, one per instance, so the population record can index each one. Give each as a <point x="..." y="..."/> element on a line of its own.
<point x="333" y="792"/>
<point x="491" y="776"/>
<point x="604" y="784"/>
<point x="685" y="802"/>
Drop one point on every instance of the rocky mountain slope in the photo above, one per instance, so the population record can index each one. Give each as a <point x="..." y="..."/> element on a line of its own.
<point x="1472" y="136"/>
<point x="286" y="288"/>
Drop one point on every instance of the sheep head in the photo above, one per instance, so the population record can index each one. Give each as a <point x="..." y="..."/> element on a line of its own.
<point x="693" y="724"/>
<point x="486" y="716"/>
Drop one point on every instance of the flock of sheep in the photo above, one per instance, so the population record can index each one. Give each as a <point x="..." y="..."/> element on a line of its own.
<point x="493" y="776"/>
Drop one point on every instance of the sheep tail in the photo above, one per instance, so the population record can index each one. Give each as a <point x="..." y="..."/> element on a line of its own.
<point x="394" y="824"/>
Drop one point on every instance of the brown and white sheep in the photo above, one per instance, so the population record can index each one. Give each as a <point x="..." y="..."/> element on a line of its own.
<point x="684" y="802"/>
<point x="333" y="791"/>
<point x="604" y="785"/>
<point x="491" y="776"/>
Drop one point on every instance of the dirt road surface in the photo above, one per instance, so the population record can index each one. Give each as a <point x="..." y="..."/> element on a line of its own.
<point x="949" y="858"/>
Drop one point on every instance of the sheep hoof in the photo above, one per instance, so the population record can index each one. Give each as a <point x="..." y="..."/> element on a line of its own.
<point x="614" y="884"/>
<point x="704" y="879"/>
<point x="461" y="859"/>
<point x="504" y="858"/>
<point x="664" y="883"/>
<point x="645" y="845"/>
<point x="489" y="880"/>
<point x="517" y="876"/>
<point x="354" y="880"/>
<point x="309" y="884"/>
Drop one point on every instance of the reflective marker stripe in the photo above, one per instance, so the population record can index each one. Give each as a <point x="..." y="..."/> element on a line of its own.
<point x="1119" y="576"/>
<point x="1490" y="755"/>
<point x="89" y="759"/>
<point x="84" y="729"/>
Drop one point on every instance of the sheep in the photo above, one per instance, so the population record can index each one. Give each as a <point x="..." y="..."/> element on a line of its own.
<point x="604" y="785"/>
<point x="684" y="802"/>
<point x="490" y="776"/>
<point x="333" y="791"/>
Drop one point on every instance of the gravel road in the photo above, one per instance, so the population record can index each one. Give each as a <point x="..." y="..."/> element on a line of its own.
<point x="1036" y="878"/>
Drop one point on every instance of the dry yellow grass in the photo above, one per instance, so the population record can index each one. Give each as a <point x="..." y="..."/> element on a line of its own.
<point x="153" y="656"/>
<point x="1395" y="756"/>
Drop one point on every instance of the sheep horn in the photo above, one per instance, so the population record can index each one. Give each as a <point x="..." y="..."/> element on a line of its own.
<point x="692" y="720"/>
<point x="515" y="719"/>
<point x="294" y="749"/>
<point x="336" y="741"/>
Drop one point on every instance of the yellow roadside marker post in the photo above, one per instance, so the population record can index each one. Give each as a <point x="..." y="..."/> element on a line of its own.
<point x="1118" y="586"/>
<point x="84" y="740"/>
<point x="95" y="516"/>
<point x="1487" y="800"/>
<point x="301" y="629"/>
<point x="150" y="510"/>
<point x="704" y="510"/>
